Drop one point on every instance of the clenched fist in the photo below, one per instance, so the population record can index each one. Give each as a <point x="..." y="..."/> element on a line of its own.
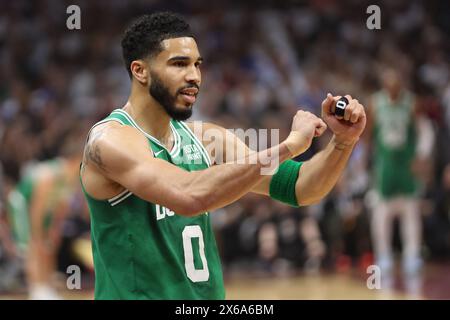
<point x="305" y="126"/>
<point x="347" y="129"/>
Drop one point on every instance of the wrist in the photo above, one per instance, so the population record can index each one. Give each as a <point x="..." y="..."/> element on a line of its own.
<point x="342" y="143"/>
<point x="285" y="152"/>
<point x="289" y="148"/>
<point x="292" y="143"/>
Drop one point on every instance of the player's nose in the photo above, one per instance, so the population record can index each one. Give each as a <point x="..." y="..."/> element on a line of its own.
<point x="193" y="75"/>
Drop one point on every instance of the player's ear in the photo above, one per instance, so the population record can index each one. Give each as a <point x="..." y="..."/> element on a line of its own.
<point x="139" y="71"/>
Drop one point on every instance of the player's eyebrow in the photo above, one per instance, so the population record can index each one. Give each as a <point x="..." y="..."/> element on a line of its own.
<point x="184" y="58"/>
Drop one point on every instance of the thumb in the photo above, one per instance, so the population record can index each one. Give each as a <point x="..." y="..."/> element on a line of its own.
<point x="327" y="104"/>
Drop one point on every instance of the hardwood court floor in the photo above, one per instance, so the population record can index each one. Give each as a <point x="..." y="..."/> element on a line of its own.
<point x="242" y="287"/>
<point x="310" y="287"/>
<point x="323" y="286"/>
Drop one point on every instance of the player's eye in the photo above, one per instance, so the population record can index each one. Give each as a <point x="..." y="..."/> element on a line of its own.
<point x="180" y="64"/>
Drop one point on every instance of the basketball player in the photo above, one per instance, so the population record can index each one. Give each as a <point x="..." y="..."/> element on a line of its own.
<point x="37" y="207"/>
<point x="403" y="141"/>
<point x="150" y="182"/>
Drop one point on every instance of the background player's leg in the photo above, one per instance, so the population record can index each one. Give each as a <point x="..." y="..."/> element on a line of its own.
<point x="411" y="227"/>
<point x="39" y="267"/>
<point x="382" y="235"/>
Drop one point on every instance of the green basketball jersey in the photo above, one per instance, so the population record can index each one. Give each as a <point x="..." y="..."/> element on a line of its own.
<point x="19" y="199"/>
<point x="145" y="251"/>
<point x="395" y="145"/>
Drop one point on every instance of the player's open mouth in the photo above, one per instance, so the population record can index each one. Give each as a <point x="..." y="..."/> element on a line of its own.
<point x="189" y="95"/>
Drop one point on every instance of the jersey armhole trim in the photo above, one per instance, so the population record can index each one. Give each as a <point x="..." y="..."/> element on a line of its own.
<point x="120" y="197"/>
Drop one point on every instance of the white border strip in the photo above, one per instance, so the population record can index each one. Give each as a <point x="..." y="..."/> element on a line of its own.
<point x="118" y="196"/>
<point x="121" y="199"/>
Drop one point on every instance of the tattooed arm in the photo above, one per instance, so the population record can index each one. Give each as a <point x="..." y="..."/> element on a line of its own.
<point x="117" y="157"/>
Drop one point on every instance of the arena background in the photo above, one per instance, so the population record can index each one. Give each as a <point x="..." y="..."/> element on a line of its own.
<point x="263" y="61"/>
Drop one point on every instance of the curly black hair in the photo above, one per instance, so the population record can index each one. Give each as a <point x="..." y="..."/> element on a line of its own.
<point x="143" y="37"/>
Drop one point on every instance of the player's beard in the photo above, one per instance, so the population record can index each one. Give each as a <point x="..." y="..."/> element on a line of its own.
<point x="162" y="95"/>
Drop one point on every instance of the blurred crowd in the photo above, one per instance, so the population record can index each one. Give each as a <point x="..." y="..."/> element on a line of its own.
<point x="263" y="61"/>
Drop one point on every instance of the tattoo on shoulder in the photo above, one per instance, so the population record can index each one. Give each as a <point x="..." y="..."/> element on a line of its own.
<point x="92" y="151"/>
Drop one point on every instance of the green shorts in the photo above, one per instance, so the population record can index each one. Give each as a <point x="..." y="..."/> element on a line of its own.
<point x="19" y="218"/>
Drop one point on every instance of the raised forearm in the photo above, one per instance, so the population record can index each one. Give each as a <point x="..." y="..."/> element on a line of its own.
<point x="188" y="193"/>
<point x="223" y="184"/>
<point x="319" y="174"/>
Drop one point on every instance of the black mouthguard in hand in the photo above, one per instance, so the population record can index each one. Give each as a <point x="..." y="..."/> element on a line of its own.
<point x="341" y="104"/>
